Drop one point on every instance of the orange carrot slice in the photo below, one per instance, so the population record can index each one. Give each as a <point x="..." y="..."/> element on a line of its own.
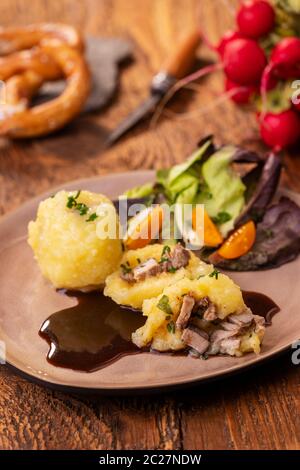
<point x="212" y="236"/>
<point x="145" y="230"/>
<point x="239" y="242"/>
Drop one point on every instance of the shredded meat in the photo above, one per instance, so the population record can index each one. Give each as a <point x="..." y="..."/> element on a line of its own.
<point x="227" y="339"/>
<point x="178" y="258"/>
<point x="217" y="339"/>
<point x="230" y="346"/>
<point x="185" y="311"/>
<point x="206" y="308"/>
<point x="259" y="324"/>
<point x="196" y="339"/>
<point x="201" y="304"/>
<point x="244" y="319"/>
<point x="149" y="268"/>
<point x="210" y="313"/>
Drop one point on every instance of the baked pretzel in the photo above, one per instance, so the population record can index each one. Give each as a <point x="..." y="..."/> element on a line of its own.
<point x="53" y="115"/>
<point x="56" y="53"/>
<point x="36" y="60"/>
<point x="14" y="39"/>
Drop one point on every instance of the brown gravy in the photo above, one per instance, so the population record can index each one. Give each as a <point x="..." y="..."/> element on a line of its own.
<point x="96" y="331"/>
<point x="90" y="335"/>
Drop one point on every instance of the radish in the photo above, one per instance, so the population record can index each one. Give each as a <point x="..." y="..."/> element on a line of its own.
<point x="284" y="63"/>
<point x="226" y="39"/>
<point x="285" y="58"/>
<point x="244" y="61"/>
<point x="256" y="18"/>
<point x="241" y="94"/>
<point x="280" y="130"/>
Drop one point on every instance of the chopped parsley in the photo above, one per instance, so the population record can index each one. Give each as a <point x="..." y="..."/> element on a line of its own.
<point x="165" y="254"/>
<point x="92" y="217"/>
<point x="215" y="273"/>
<point x="164" y="305"/>
<point x="171" y="269"/>
<point x="80" y="207"/>
<point x="126" y="269"/>
<point x="171" y="327"/>
<point x="221" y="218"/>
<point x="72" y="202"/>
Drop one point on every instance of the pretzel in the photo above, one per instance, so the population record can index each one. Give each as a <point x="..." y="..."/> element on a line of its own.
<point x="56" y="53"/>
<point x="14" y="39"/>
<point x="53" y="115"/>
<point x="35" y="60"/>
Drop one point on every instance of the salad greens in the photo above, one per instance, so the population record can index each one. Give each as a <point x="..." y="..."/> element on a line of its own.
<point x="277" y="240"/>
<point x="207" y="177"/>
<point x="225" y="188"/>
<point x="140" y="191"/>
<point x="202" y="179"/>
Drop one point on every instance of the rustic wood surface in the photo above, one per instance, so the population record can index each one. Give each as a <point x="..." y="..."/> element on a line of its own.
<point x="256" y="409"/>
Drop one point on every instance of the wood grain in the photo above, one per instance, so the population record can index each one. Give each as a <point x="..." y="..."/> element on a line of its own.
<point x="257" y="409"/>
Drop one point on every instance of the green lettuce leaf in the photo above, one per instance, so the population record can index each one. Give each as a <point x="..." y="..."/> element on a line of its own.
<point x="209" y="181"/>
<point x="224" y="189"/>
<point x="140" y="191"/>
<point x="184" y="167"/>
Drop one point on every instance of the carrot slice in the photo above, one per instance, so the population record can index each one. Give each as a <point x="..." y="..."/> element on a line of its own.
<point x="239" y="242"/>
<point x="212" y="236"/>
<point x="146" y="229"/>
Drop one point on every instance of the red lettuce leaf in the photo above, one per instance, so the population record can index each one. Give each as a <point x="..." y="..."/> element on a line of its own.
<point x="277" y="240"/>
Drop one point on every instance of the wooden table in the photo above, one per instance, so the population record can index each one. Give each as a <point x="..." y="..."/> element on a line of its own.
<point x="256" y="409"/>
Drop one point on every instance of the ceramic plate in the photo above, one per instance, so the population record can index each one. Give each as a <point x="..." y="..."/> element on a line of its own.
<point x="27" y="300"/>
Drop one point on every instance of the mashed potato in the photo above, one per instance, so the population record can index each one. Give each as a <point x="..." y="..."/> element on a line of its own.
<point x="163" y="333"/>
<point x="133" y="294"/>
<point x="66" y="245"/>
<point x="222" y="292"/>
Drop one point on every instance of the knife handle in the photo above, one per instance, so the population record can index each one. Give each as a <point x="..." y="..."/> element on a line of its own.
<point x="179" y="64"/>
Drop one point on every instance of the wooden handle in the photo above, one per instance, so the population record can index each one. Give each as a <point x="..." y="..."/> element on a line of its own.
<point x="182" y="60"/>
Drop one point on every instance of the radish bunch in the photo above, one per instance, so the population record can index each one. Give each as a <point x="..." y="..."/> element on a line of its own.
<point x="251" y="70"/>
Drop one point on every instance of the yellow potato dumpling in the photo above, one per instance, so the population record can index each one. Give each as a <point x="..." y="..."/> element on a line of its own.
<point x="67" y="248"/>
<point x="133" y="294"/>
<point x="221" y="290"/>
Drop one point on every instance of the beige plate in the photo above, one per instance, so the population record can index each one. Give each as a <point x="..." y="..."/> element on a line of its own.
<point x="27" y="300"/>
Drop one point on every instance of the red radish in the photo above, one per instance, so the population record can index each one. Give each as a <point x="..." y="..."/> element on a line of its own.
<point x="285" y="58"/>
<point x="226" y="39"/>
<point x="256" y="18"/>
<point x="280" y="130"/>
<point x="244" y="61"/>
<point x="241" y="94"/>
<point x="284" y="63"/>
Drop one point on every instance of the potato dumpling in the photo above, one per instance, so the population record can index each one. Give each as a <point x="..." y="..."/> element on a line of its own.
<point x="159" y="329"/>
<point x="133" y="294"/>
<point x="66" y="246"/>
